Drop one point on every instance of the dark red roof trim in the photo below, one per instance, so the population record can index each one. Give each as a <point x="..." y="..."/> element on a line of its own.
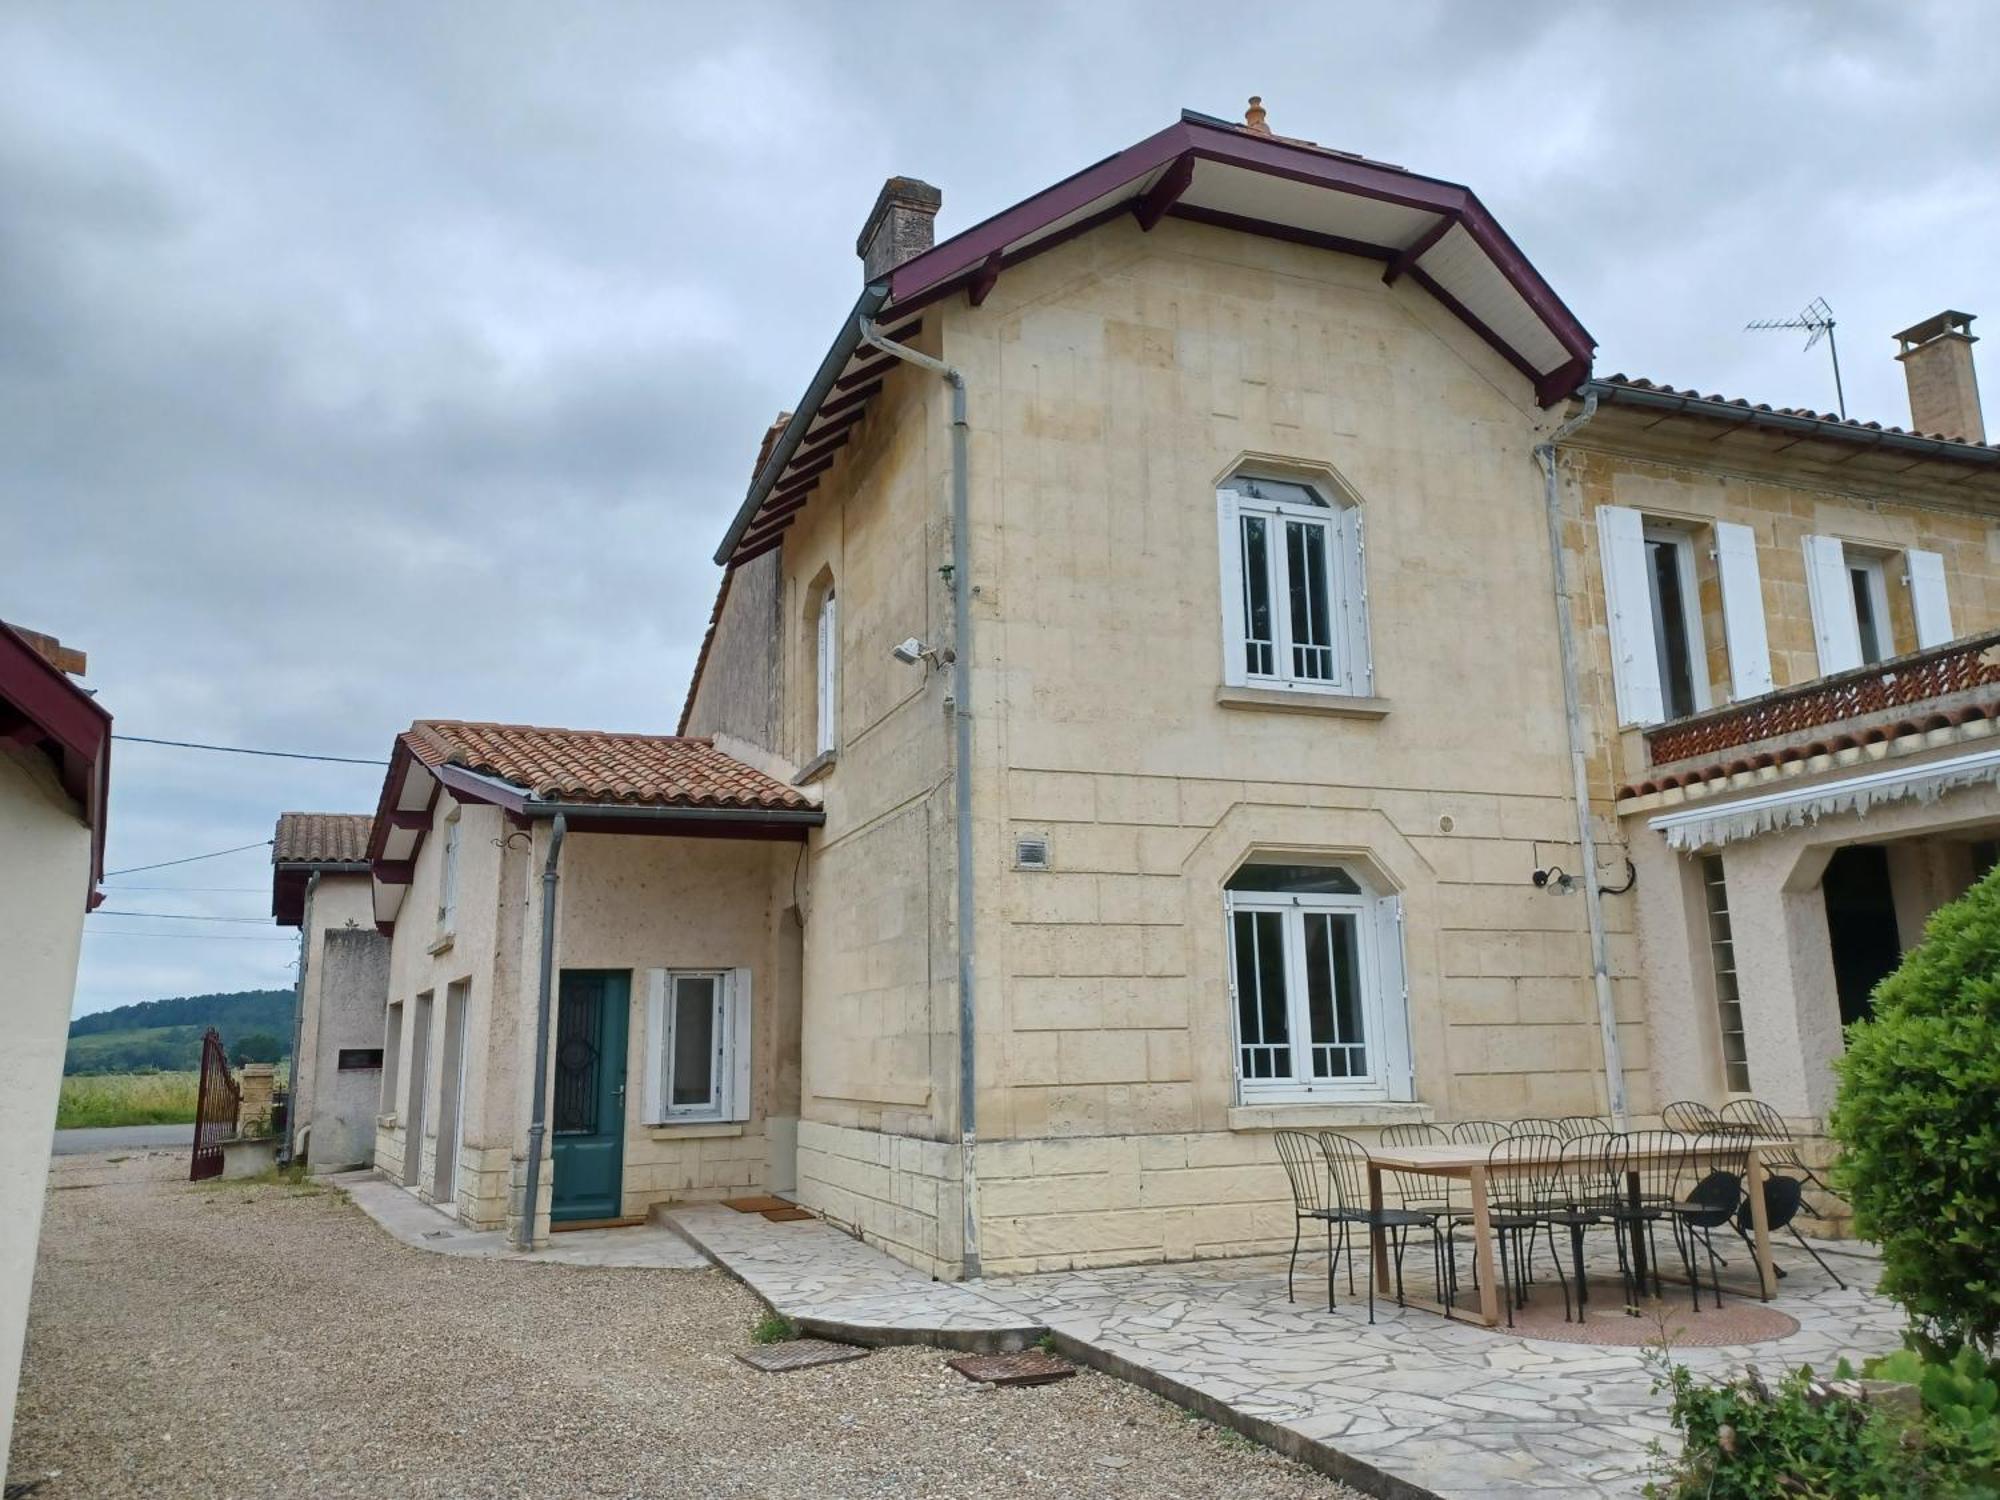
<point x="39" y="705"/>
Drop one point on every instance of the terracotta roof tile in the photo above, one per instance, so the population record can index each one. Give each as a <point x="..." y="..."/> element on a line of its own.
<point x="305" y="838"/>
<point x="582" y="765"/>
<point x="1637" y="383"/>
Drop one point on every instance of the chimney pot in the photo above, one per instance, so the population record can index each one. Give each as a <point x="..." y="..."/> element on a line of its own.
<point x="1936" y="356"/>
<point x="899" y="226"/>
<point x="1253" y="117"/>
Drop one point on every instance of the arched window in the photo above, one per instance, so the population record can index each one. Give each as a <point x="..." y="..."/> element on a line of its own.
<point x="826" y="733"/>
<point x="1316" y="980"/>
<point x="1294" y="602"/>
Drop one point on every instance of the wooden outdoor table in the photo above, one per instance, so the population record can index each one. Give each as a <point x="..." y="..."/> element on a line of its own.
<point x="1469" y="1162"/>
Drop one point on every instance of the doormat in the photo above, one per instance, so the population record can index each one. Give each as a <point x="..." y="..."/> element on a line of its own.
<point x="789" y="1214"/>
<point x="763" y="1203"/>
<point x="1029" y="1367"/>
<point x="799" y="1354"/>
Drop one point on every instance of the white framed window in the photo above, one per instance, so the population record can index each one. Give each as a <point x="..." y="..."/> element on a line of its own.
<point x="1679" y="650"/>
<point x="448" y="879"/>
<point x="1868" y="584"/>
<point x="1294" y="600"/>
<point x="827" y="731"/>
<point x="697" y="1056"/>
<point x="1318" y="1001"/>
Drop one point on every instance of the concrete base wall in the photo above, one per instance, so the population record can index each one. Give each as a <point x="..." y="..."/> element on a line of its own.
<point x="353" y="989"/>
<point x="898" y="1192"/>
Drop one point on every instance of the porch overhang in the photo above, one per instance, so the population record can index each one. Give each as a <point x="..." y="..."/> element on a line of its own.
<point x="290" y="880"/>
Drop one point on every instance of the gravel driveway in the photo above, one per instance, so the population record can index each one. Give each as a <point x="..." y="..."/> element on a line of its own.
<point x="235" y="1340"/>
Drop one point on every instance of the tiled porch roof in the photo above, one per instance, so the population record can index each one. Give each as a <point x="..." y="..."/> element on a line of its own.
<point x="307" y="838"/>
<point x="589" y="766"/>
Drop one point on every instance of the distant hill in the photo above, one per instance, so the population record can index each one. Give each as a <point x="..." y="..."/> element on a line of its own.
<point x="167" y="1033"/>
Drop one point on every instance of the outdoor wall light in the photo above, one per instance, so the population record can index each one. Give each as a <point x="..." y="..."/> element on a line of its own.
<point x="1554" y="876"/>
<point x="912" y="651"/>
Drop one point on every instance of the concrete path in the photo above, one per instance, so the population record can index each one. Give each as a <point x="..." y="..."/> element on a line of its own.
<point x="124" y="1138"/>
<point x="418" y="1224"/>
<point x="835" y="1286"/>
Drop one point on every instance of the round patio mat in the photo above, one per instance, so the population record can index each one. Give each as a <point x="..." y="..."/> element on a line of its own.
<point x="1673" y="1321"/>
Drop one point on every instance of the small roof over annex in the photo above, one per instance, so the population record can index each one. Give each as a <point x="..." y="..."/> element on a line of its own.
<point x="1434" y="233"/>
<point x="42" y="710"/>
<point x="599" y="782"/>
<point x="309" y="843"/>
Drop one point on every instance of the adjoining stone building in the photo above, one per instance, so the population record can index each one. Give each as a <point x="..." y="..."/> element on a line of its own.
<point x="1142" y="654"/>
<point x="55" y="783"/>
<point x="320" y="884"/>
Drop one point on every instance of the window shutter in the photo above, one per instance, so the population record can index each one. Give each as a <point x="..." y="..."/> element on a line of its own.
<point x="1742" y="610"/>
<point x="653" y="1046"/>
<point x="1628" y="604"/>
<point x="829" y="672"/>
<point x="1928" y="601"/>
<point x="1229" y="542"/>
<point x="1361" y="645"/>
<point x="1397" y="1070"/>
<point x="1836" y="632"/>
<point x="739" y="1044"/>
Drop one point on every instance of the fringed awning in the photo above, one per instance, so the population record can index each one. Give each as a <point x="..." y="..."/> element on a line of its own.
<point x="1709" y="827"/>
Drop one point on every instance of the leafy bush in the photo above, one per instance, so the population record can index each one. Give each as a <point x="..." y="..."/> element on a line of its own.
<point x="1919" y="1127"/>
<point x="257" y="1047"/>
<point x="1961" y="1399"/>
<point x="774" y="1328"/>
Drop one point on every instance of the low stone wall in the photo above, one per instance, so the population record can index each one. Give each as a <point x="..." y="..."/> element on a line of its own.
<point x="895" y="1191"/>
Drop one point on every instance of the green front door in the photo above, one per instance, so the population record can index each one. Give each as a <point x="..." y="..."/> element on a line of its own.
<point x="587" y="1120"/>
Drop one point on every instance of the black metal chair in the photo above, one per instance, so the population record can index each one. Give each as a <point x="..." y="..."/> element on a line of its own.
<point x="1312" y="1196"/>
<point x="1478" y="1132"/>
<point x="1712" y="1194"/>
<point x="1348" y="1163"/>
<point x="1755" y="1117"/>
<point x="1432" y="1196"/>
<point x="1690" y="1117"/>
<point x="1784" y="1200"/>
<point x="1535" y="1125"/>
<point x="1643" y="1170"/>
<point x="1531" y="1197"/>
<point x="1575" y="1127"/>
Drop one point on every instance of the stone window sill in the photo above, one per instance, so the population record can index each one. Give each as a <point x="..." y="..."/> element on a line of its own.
<point x="1335" y="705"/>
<point x="1329" y="1116"/>
<point x="817" y="767"/>
<point x="385" y="1122"/>
<point x="694" y="1130"/>
<point x="442" y="945"/>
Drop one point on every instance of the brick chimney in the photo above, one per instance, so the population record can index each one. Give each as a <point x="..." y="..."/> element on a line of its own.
<point x="1936" y="357"/>
<point x="898" y="227"/>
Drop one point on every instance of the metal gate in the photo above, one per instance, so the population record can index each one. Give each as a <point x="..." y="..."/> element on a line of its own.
<point x="214" y="1111"/>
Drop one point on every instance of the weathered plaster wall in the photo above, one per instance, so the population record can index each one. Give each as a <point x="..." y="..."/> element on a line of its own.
<point x="739" y="692"/>
<point x="334" y="902"/>
<point x="44" y="889"/>
<point x="354" y="969"/>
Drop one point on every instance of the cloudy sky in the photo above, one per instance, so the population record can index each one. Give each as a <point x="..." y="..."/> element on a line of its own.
<point x="361" y="362"/>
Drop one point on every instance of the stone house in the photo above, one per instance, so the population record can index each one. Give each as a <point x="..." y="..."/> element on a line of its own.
<point x="321" y="884"/>
<point x="55" y="782"/>
<point x="1159" y="573"/>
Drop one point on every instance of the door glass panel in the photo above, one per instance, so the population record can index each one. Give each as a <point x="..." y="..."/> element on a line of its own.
<point x="1257" y="641"/>
<point x="1305" y="556"/>
<point x="1676" y="656"/>
<point x="578" y="1044"/>
<point x="1864" y="615"/>
<point x="692" y="1067"/>
<point x="1333" y="996"/>
<point x="1261" y="1016"/>
<point x="1300" y="878"/>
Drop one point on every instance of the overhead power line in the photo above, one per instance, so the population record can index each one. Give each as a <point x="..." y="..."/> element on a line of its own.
<point x="341" y="760"/>
<point x="173" y="916"/>
<point x="207" y="890"/>
<point x="191" y="859"/>
<point x="192" y="937"/>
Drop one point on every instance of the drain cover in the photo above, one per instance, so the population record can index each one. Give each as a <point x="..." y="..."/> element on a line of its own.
<point x="1029" y="1367"/>
<point x="787" y="1214"/>
<point x="799" y="1354"/>
<point x="763" y="1203"/>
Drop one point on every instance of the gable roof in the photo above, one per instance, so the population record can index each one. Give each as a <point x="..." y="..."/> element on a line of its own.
<point x="307" y="843"/>
<point x="1210" y="171"/>
<point x="41" y="707"/>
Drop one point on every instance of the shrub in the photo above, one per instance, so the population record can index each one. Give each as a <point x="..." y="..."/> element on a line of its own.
<point x="257" y="1047"/>
<point x="774" y="1328"/>
<point x="1961" y="1399"/>
<point x="1919" y="1127"/>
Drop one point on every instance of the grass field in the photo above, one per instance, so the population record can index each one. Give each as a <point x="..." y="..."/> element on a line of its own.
<point x="91" y="1100"/>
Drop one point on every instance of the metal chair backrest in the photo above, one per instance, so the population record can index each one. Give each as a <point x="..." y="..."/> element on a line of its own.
<point x="1713" y="1178"/>
<point x="1575" y="1127"/>
<point x="1347" y="1169"/>
<point x="1690" y="1117"/>
<point x="1588" y="1181"/>
<point x="1534" y="1125"/>
<point x="1755" y="1117"/>
<point x="1658" y="1158"/>
<point x="1783" y="1198"/>
<point x="1478" y="1132"/>
<point x="1306" y="1167"/>
<point x="1525" y="1173"/>
<point x="1419" y="1189"/>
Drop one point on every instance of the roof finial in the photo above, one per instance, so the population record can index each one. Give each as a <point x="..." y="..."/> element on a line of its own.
<point x="1253" y="117"/>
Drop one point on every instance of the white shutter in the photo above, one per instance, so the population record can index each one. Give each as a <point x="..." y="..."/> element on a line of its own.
<point x="1354" y="547"/>
<point x="1928" y="601"/>
<point x="739" y="1045"/>
<point x="653" y="1046"/>
<point x="1229" y="549"/>
<point x="829" y="673"/>
<point x="1835" y="630"/>
<point x="1394" y="1042"/>
<point x="1628" y="603"/>
<point x="1742" y="610"/>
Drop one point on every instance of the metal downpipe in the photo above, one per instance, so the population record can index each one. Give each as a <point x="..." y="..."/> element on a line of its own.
<point x="961" y="696"/>
<point x="538" y="1107"/>
<point x="1579" y="756"/>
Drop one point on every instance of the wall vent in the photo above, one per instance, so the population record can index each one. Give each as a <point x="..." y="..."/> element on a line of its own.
<point x="1031" y="852"/>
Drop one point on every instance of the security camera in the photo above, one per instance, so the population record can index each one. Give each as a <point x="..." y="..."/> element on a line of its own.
<point x="909" y="652"/>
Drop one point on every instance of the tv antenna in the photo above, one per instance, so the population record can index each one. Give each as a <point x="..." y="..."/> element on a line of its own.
<point x="1816" y="322"/>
